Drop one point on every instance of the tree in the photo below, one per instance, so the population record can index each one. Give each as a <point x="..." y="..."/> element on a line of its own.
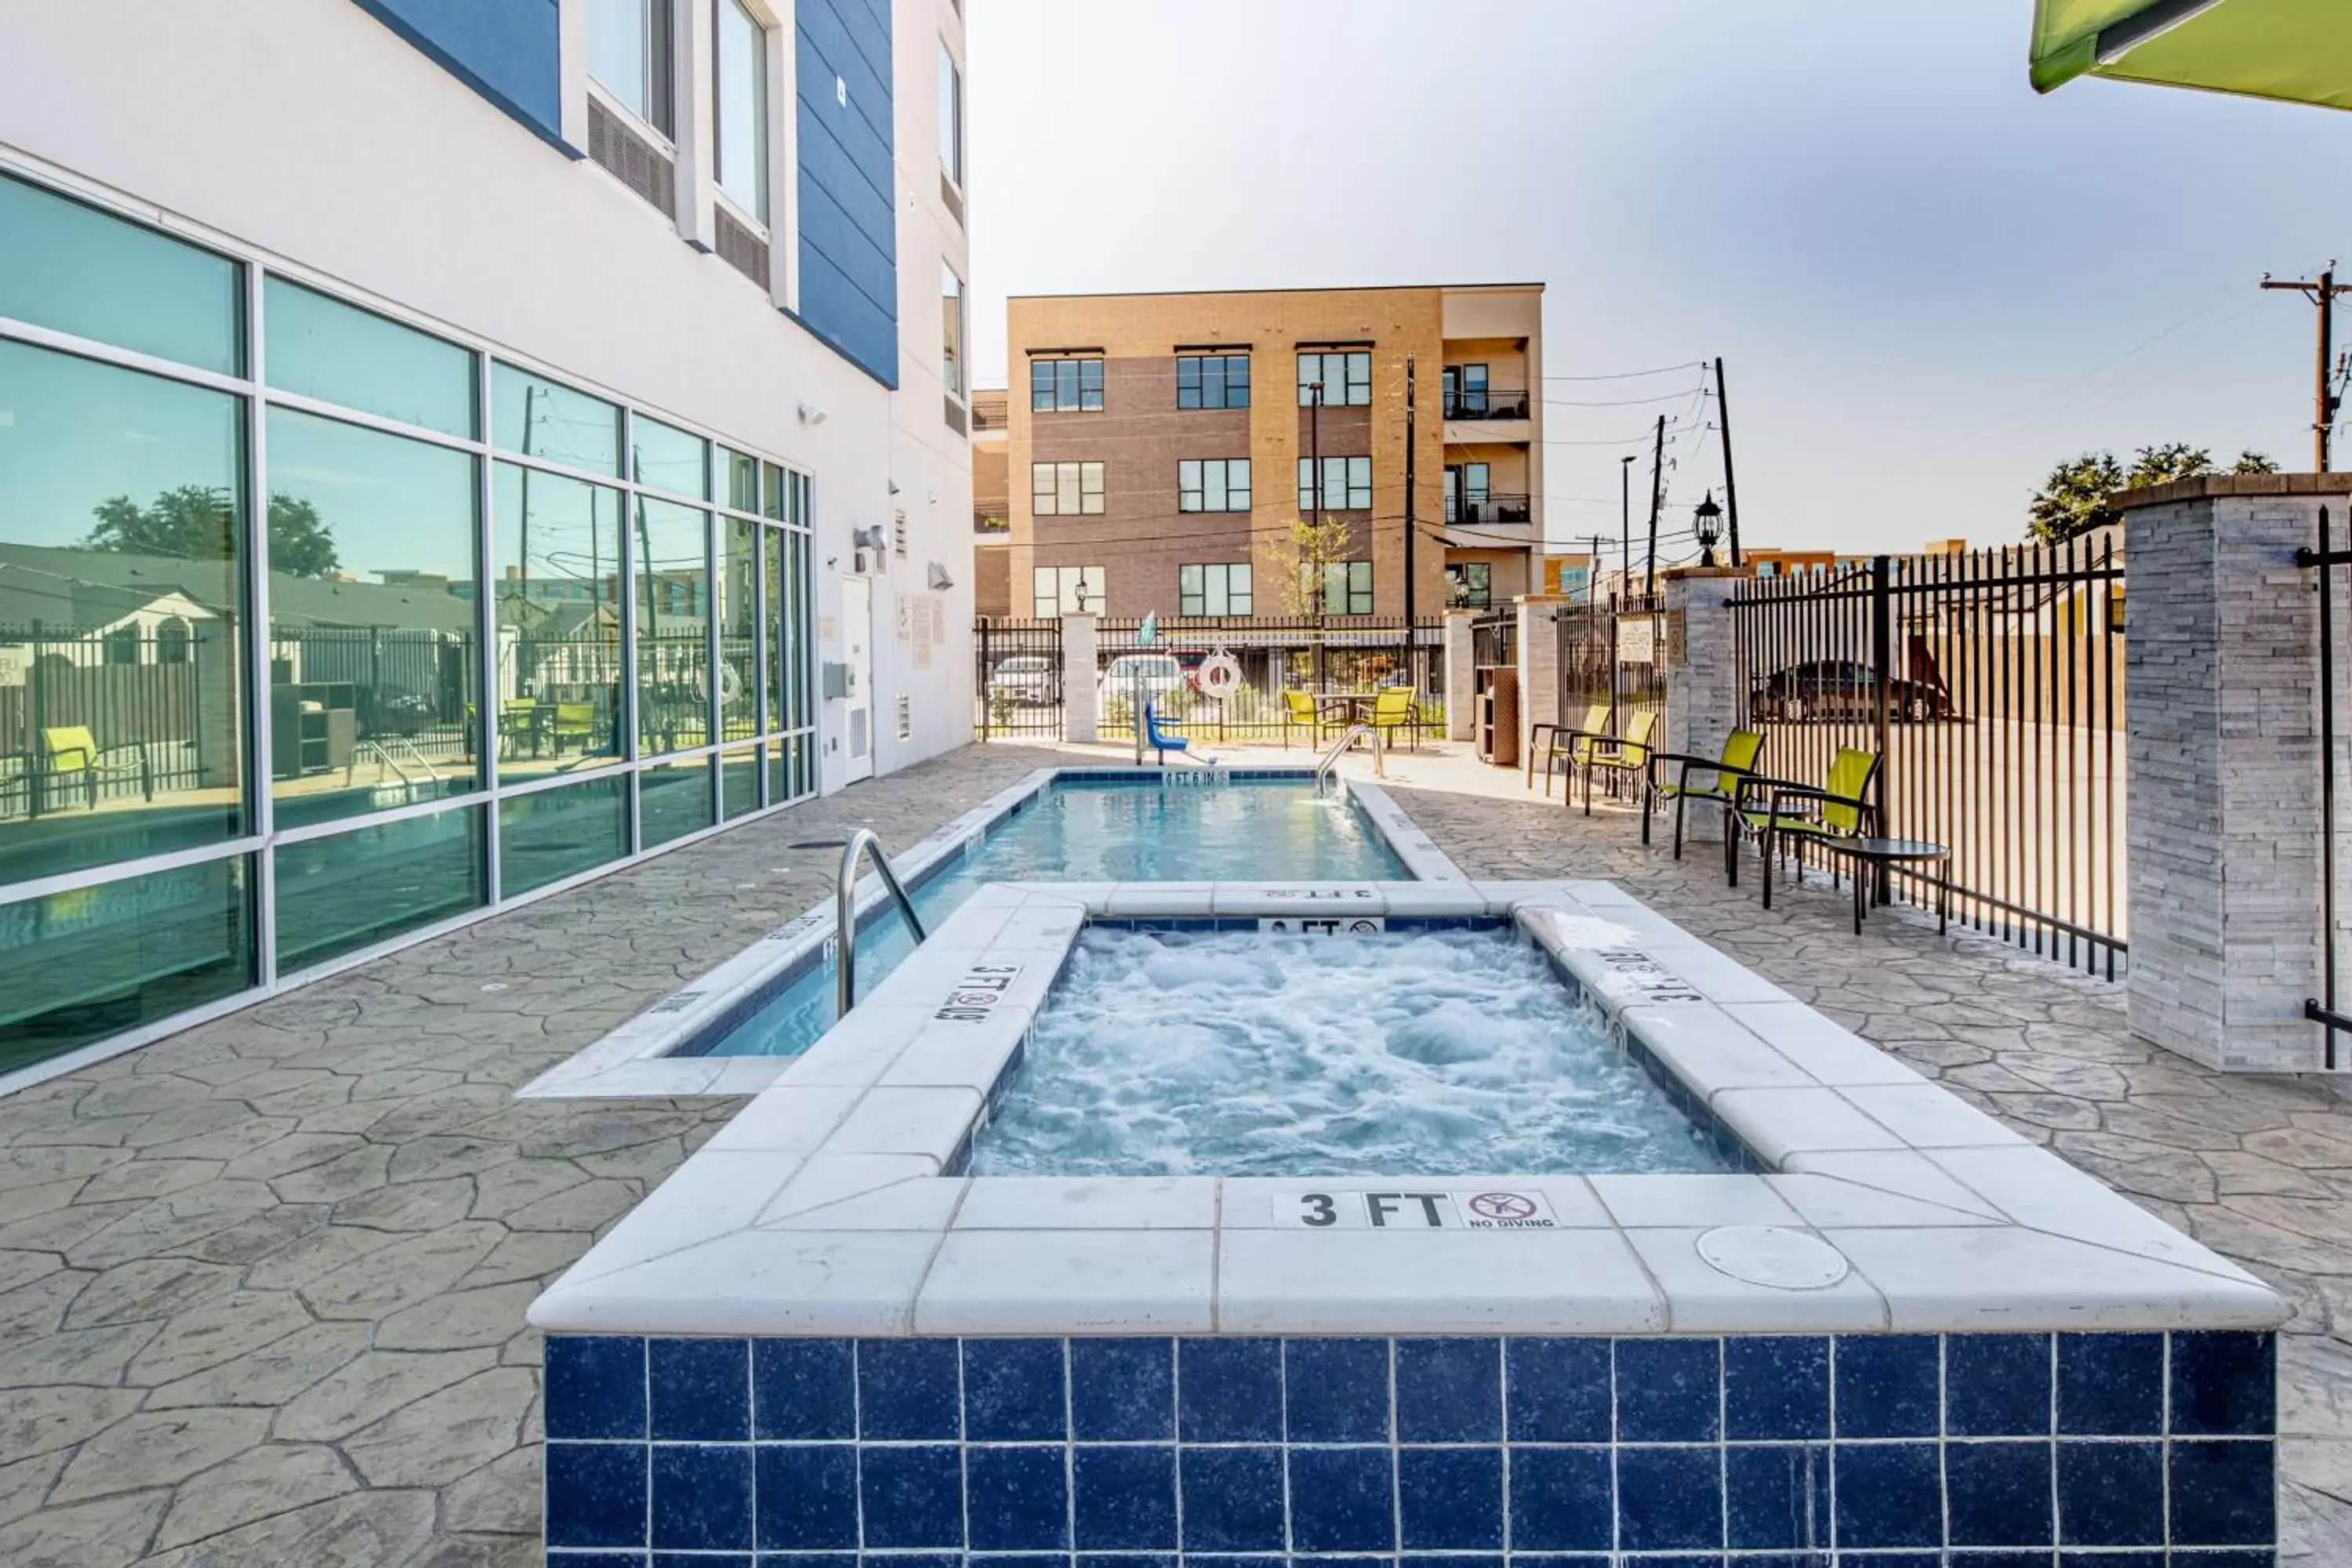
<point x="1320" y="546"/>
<point x="2073" y="500"/>
<point x="2162" y="464"/>
<point x="2254" y="463"/>
<point x="198" y="522"/>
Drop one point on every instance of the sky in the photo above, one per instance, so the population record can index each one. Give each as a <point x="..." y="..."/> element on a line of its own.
<point x="1927" y="284"/>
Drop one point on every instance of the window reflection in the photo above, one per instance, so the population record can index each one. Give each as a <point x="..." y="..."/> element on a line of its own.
<point x="546" y="419"/>
<point x="673" y="800"/>
<point x="739" y="629"/>
<point x="338" y="894"/>
<point x="83" y="271"/>
<point x="373" y="673"/>
<point x="673" y="582"/>
<point x="667" y="457"/>
<point x="325" y="348"/>
<point x="558" y="557"/>
<point x="551" y="834"/>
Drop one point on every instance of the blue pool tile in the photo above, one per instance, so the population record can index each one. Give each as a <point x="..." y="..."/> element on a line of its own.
<point x="557" y="1559"/>
<point x="1012" y="1391"/>
<point x="1125" y="1498"/>
<point x="702" y="1559"/>
<point x="1998" y="1494"/>
<point x="2110" y="1494"/>
<point x="1560" y="1559"/>
<point x="1229" y="1391"/>
<point x="1343" y="1499"/>
<point x="701" y="1390"/>
<point x="1449" y="1499"/>
<point x="2222" y="1493"/>
<point x="910" y="1560"/>
<point x="2000" y="1557"/>
<point x="2257" y="1557"/>
<point x="1123" y="1391"/>
<point x="1336" y="1391"/>
<point x="1776" y="1388"/>
<point x="1669" y="1391"/>
<point x="595" y="1385"/>
<point x="1668" y="1499"/>
<point x="702" y="1496"/>
<point x="913" y="1496"/>
<point x="1449" y="1391"/>
<point x="596" y="1494"/>
<point x="906" y="1389"/>
<point x="1451" y="1560"/>
<point x="2110" y="1384"/>
<point x="2134" y="1560"/>
<point x="1997" y="1385"/>
<point x="1233" y="1499"/>
<point x="1220" y="1560"/>
<point x="803" y="1388"/>
<point x="1888" y="1494"/>
<point x="2223" y="1384"/>
<point x="1558" y="1390"/>
<point x="808" y="1496"/>
<point x="1888" y="1385"/>
<point x="1778" y="1560"/>
<point x="1165" y="1560"/>
<point x="1016" y="1499"/>
<point x="1010" y="1560"/>
<point x="1776" y="1497"/>
<point x="803" y="1560"/>
<point x="1562" y="1500"/>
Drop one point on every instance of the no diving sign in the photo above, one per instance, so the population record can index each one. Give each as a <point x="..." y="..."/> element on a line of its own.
<point x="1493" y="1209"/>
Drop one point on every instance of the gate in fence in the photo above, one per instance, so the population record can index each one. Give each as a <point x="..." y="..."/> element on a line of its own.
<point x="1991" y="686"/>
<point x="1017" y="678"/>
<point x="1609" y="652"/>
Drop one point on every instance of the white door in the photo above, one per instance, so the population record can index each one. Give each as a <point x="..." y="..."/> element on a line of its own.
<point x="857" y="653"/>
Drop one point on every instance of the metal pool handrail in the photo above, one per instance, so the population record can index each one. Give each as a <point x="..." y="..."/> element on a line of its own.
<point x="845" y="909"/>
<point x="1330" y="758"/>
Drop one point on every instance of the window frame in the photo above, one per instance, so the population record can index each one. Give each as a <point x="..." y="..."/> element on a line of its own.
<point x="1354" y="393"/>
<point x="658" y="40"/>
<point x="1199" y="490"/>
<point x="1082" y="384"/>
<point x="1458" y="577"/>
<point x="1063" y="577"/>
<point x="948" y="134"/>
<point x="1195" y="600"/>
<point x="1351" y="467"/>
<point x="1074" y="483"/>
<point x="1198" y="365"/>
<point x="953" y="378"/>
<point x="758" y="214"/>
<point x="1354" y="585"/>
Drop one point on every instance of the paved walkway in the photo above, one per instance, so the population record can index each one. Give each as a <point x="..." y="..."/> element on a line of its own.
<point x="262" y="1284"/>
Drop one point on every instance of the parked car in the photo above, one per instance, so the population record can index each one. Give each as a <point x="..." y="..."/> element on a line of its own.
<point x="1153" y="675"/>
<point x="1025" y="680"/>
<point x="1822" y="689"/>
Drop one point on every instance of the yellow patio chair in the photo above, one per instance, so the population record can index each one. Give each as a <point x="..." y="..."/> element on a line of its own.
<point x="71" y="751"/>
<point x="1300" y="710"/>
<point x="1743" y="751"/>
<point x="1392" y="709"/>
<point x="1569" y="745"/>
<point x="1625" y="756"/>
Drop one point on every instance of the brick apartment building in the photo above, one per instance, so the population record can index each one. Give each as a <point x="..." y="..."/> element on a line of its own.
<point x="1158" y="445"/>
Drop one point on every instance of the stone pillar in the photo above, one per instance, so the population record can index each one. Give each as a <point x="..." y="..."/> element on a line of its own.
<point x="1079" y="716"/>
<point x="1701" y="671"/>
<point x="1461" y="677"/>
<point x="2221" y="663"/>
<point x="1539" y="666"/>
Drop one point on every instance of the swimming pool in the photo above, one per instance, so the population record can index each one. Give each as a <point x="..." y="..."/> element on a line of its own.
<point x="1109" y="827"/>
<point x="1434" y="1052"/>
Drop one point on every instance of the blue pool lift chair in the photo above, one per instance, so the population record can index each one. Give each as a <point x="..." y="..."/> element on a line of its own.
<point x="1163" y="741"/>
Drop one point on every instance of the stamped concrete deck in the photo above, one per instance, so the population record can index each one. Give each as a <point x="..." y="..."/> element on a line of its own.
<point x="262" y="1284"/>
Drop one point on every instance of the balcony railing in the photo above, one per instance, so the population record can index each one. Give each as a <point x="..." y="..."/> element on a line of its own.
<point x="990" y="416"/>
<point x="1490" y="403"/>
<point x="1491" y="508"/>
<point x="990" y="522"/>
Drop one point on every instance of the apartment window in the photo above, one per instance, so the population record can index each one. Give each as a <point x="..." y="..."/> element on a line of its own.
<point x="1346" y="377"/>
<point x="950" y="116"/>
<point x="1212" y="381"/>
<point x="1066" y="490"/>
<point x="951" y="331"/>
<point x="1346" y="484"/>
<point x="1216" y="589"/>
<point x="1068" y="591"/>
<point x="739" y="65"/>
<point x="1212" y="484"/>
<point x="1348" y="589"/>
<point x="1467" y="491"/>
<point x="629" y="54"/>
<point x="1466" y="390"/>
<point x="1065" y="385"/>
<point x="1471" y="585"/>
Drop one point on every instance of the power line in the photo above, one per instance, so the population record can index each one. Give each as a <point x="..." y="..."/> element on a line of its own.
<point x="1632" y="374"/>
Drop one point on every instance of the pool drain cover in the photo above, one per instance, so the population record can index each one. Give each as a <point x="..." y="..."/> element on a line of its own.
<point x="1770" y="1256"/>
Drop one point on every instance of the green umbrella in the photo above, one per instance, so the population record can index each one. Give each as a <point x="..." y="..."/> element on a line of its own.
<point x="2296" y="50"/>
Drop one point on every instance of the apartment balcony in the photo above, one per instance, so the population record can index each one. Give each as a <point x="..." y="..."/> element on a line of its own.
<point x="1493" y="509"/>
<point x="1489" y="402"/>
<point x="1496" y="414"/>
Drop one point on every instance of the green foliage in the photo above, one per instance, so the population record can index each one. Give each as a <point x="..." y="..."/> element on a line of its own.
<point x="2254" y="463"/>
<point x="197" y="522"/>
<point x="2162" y="464"/>
<point x="1319" y="546"/>
<point x="2073" y="500"/>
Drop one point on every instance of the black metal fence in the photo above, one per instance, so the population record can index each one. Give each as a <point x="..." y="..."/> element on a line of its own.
<point x="1359" y="654"/>
<point x="1495" y="640"/>
<point x="1017" y="678"/>
<point x="1609" y="654"/>
<point x="1991" y="685"/>
<point x="136" y="692"/>
<point x="2326" y="1009"/>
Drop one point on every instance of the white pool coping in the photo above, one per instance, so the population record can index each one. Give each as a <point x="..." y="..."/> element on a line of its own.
<point x="635" y="1061"/>
<point x="827" y="1207"/>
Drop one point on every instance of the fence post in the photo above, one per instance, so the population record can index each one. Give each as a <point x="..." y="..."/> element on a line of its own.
<point x="1461" y="676"/>
<point x="1080" y="720"/>
<point x="2224" y="818"/>
<point x="1539" y="666"/>
<point x="1703" y="679"/>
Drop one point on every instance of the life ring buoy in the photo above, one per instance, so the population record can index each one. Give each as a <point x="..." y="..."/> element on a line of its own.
<point x="1219" y="675"/>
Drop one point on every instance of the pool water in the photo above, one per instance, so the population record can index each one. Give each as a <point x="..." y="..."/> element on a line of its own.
<point x="1433" y="1053"/>
<point x="1083" y="831"/>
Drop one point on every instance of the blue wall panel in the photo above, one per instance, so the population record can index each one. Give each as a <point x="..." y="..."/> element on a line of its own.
<point x="849" y="286"/>
<point x="506" y="50"/>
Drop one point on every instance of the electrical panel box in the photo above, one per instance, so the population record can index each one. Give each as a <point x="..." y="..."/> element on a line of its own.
<point x="836" y="679"/>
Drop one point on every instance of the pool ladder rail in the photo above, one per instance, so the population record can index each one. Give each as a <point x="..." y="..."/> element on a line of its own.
<point x="845" y="909"/>
<point x="1330" y="758"/>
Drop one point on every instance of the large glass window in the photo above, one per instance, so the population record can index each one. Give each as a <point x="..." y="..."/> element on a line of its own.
<point x="325" y="348"/>
<point x="673" y="580"/>
<point x="1065" y="385"/>
<point x="629" y="56"/>
<point x="791" y="616"/>
<point x="75" y="270"/>
<point x="951" y="331"/>
<point x="121" y="618"/>
<point x="1344" y="375"/>
<point x="540" y="419"/>
<point x="1212" y="381"/>
<point x="674" y="800"/>
<point x="951" y="111"/>
<point x="667" y="459"/>
<point x="739" y="481"/>
<point x="557" y="554"/>
<point x="551" y="834"/>
<point x="738" y="628"/>
<point x="739" y="781"/>
<point x="350" y="891"/>
<point x="1470" y="586"/>
<point x="1212" y="484"/>
<point x="372" y="672"/>
<point x="1348" y="589"/>
<point x="1216" y="589"/>
<point x="1066" y="490"/>
<point x="1346" y="484"/>
<point x="1069" y="591"/>
<point x="741" y="48"/>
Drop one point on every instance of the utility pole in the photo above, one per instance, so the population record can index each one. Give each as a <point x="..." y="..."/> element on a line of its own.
<point x="1592" y="576"/>
<point x="1730" y="488"/>
<point x="1412" y="646"/>
<point x="1624" y="521"/>
<point x="1315" y="479"/>
<point x="1657" y="482"/>
<point x="2321" y="292"/>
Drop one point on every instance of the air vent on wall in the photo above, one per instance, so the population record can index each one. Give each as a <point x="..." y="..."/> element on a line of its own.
<point x="740" y="249"/>
<point x="955" y="415"/>
<point x="630" y="158"/>
<point x="906" y="717"/>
